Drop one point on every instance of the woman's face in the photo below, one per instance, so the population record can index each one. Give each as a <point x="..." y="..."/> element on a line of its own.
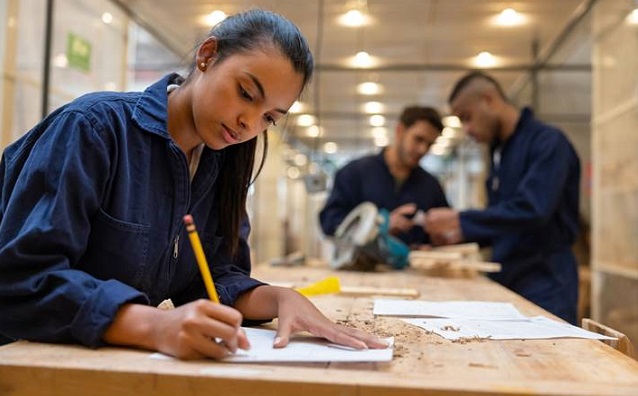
<point x="235" y="100"/>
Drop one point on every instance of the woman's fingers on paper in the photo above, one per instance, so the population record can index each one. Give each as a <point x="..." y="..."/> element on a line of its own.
<point x="283" y="333"/>
<point x="242" y="339"/>
<point x="371" y="341"/>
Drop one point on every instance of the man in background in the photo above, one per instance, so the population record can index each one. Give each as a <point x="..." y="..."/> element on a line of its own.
<point x="392" y="179"/>
<point x="531" y="219"/>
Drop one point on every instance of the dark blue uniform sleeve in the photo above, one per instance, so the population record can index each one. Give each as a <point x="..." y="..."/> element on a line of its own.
<point x="232" y="275"/>
<point x="536" y="197"/>
<point x="51" y="186"/>
<point x="344" y="197"/>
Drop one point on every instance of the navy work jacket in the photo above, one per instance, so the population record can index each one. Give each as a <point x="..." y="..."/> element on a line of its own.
<point x="91" y="211"/>
<point x="532" y="216"/>
<point x="369" y="179"/>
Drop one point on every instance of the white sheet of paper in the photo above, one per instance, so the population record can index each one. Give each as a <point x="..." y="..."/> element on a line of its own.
<point x="538" y="327"/>
<point x="300" y="349"/>
<point x="447" y="309"/>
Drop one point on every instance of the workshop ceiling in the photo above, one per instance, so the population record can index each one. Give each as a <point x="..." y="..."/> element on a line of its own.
<point x="419" y="48"/>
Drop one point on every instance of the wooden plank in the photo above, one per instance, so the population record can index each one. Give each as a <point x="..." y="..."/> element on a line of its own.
<point x="464" y="248"/>
<point x="423" y="363"/>
<point x="621" y="342"/>
<point x="480" y="266"/>
<point x="434" y="255"/>
<point x="379" y="291"/>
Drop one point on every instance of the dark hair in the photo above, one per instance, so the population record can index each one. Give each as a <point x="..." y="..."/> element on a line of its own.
<point x="255" y="29"/>
<point x="241" y="33"/>
<point x="473" y="76"/>
<point x="412" y="114"/>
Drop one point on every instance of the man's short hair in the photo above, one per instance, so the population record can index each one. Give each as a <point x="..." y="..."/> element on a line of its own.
<point x="412" y="114"/>
<point x="466" y="80"/>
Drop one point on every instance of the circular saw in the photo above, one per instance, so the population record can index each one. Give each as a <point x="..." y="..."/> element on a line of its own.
<point x="362" y="240"/>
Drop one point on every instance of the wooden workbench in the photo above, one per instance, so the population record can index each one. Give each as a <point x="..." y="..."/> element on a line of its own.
<point x="423" y="363"/>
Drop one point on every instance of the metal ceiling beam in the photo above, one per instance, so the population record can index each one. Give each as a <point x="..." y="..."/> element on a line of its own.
<point x="328" y="68"/>
<point x="352" y="115"/>
<point x="454" y="67"/>
<point x="545" y="55"/>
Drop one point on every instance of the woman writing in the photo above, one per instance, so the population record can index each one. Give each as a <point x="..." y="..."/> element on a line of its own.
<point x="92" y="200"/>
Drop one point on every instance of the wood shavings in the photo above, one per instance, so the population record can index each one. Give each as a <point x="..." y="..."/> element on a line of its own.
<point x="465" y="340"/>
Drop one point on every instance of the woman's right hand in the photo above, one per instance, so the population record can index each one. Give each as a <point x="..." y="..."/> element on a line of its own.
<point x="195" y="330"/>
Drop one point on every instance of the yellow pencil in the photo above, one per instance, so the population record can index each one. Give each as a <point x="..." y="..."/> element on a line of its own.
<point x="201" y="259"/>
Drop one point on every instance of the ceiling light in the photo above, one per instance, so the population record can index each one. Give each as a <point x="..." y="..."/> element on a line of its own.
<point x="293" y="172"/>
<point x="330" y="147"/>
<point x="377" y="120"/>
<point x="509" y="17"/>
<point x="305" y="120"/>
<point x="452" y="121"/>
<point x="381" y="141"/>
<point x="373" y="107"/>
<point x="362" y="59"/>
<point x="300" y="159"/>
<point x="369" y="88"/>
<point x="448" y="132"/>
<point x="353" y="18"/>
<point x="215" y="17"/>
<point x="296" y="107"/>
<point x="484" y="59"/>
<point x="632" y="18"/>
<point x="443" y="142"/>
<point x="379" y="132"/>
<point x="107" y="18"/>
<point x="439" y="150"/>
<point x="313" y="131"/>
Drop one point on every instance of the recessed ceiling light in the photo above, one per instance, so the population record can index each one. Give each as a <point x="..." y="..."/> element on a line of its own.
<point x="293" y="172"/>
<point x="373" y="107"/>
<point x="353" y="18"/>
<point x="300" y="159"/>
<point x="369" y="88"/>
<point x="377" y="120"/>
<point x="215" y="17"/>
<point x="448" y="132"/>
<point x="484" y="59"/>
<point x="452" y="121"/>
<point x="313" y="131"/>
<point x="107" y="18"/>
<point x="363" y="59"/>
<point x="296" y="107"/>
<point x="305" y="120"/>
<point x="379" y="132"/>
<point x="330" y="147"/>
<point x="381" y="141"/>
<point x="509" y="17"/>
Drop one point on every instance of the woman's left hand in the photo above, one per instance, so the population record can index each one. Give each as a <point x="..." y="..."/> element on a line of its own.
<point x="297" y="313"/>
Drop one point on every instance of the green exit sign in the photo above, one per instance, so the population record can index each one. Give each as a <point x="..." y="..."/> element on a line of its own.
<point x="78" y="52"/>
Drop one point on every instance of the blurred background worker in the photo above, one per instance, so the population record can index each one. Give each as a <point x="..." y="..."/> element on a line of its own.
<point x="531" y="219"/>
<point x="392" y="179"/>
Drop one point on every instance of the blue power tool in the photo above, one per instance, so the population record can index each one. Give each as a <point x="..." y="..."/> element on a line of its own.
<point x="363" y="240"/>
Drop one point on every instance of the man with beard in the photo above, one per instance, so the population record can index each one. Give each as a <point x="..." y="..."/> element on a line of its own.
<point x="392" y="179"/>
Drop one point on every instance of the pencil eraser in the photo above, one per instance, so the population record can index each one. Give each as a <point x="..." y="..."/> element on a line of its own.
<point x="188" y="219"/>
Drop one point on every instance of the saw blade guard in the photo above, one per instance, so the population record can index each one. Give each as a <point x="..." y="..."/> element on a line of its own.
<point x="359" y="227"/>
